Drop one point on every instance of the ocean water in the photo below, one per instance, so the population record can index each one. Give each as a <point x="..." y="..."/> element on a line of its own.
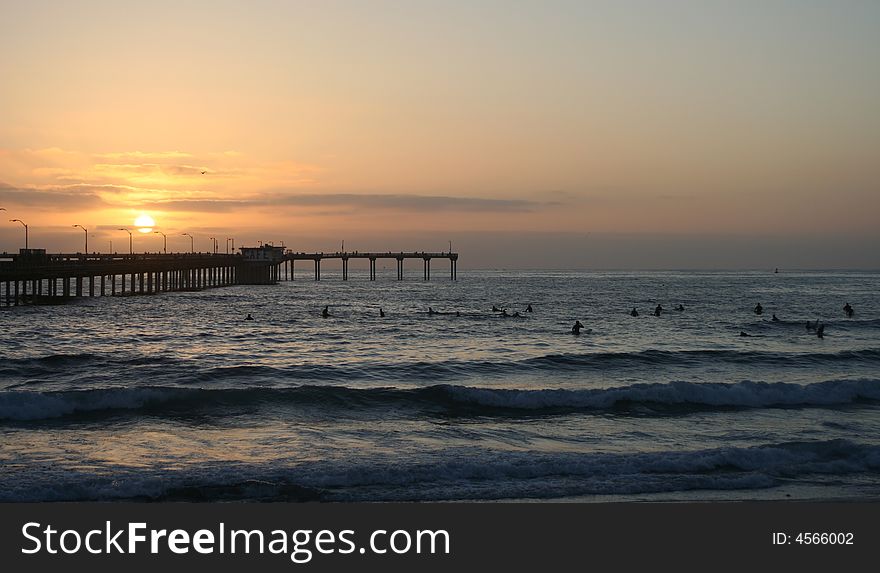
<point x="176" y="397"/>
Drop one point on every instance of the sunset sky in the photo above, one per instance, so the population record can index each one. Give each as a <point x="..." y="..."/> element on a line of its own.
<point x="531" y="134"/>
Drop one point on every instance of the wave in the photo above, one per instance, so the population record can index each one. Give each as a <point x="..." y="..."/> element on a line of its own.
<point x="181" y="370"/>
<point x="698" y="357"/>
<point x="673" y="397"/>
<point x="466" y="473"/>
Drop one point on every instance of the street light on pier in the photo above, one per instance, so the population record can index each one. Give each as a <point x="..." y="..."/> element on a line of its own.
<point x="214" y="243"/>
<point x="25" y="230"/>
<point x="87" y="237"/>
<point x="192" y="248"/>
<point x="164" y="241"/>
<point x="227" y="245"/>
<point x="130" y="248"/>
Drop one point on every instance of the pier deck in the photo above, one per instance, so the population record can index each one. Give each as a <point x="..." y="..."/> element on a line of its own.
<point x="34" y="276"/>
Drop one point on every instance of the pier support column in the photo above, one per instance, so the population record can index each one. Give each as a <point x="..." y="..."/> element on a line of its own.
<point x="372" y="269"/>
<point x="16" y="294"/>
<point x="317" y="269"/>
<point x="79" y="286"/>
<point x="149" y="282"/>
<point x="92" y="285"/>
<point x="103" y="285"/>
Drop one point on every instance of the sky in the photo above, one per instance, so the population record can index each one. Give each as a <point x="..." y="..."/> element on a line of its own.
<point x="551" y="134"/>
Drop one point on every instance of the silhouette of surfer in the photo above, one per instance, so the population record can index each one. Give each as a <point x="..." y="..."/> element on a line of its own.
<point x="744" y="333"/>
<point x="381" y="312"/>
<point x="759" y="309"/>
<point x="820" y="331"/>
<point x="326" y="312"/>
<point x="529" y="308"/>
<point x="634" y="312"/>
<point x="431" y="310"/>
<point x="775" y="318"/>
<point x="495" y="308"/>
<point x="576" y="329"/>
<point x="658" y="310"/>
<point x="848" y="310"/>
<point x="249" y="317"/>
<point x="679" y="308"/>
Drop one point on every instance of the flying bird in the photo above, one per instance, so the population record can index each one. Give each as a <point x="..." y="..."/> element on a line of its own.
<point x="203" y="172"/>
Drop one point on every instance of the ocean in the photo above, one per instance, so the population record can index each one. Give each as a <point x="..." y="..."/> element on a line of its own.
<point x="177" y="397"/>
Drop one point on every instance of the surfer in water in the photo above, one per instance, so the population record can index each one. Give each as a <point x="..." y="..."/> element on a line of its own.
<point x="658" y="310"/>
<point x="820" y="331"/>
<point x="381" y="312"/>
<point x="576" y="329"/>
<point x="848" y="310"/>
<point x="249" y="317"/>
<point x="529" y="308"/>
<point x="759" y="309"/>
<point x="745" y="334"/>
<point x="775" y="318"/>
<point x="431" y="310"/>
<point x="495" y="308"/>
<point x="634" y="312"/>
<point x="679" y="308"/>
<point x="326" y="312"/>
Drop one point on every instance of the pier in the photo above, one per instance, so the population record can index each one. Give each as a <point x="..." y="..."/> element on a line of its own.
<point x="399" y="257"/>
<point x="32" y="276"/>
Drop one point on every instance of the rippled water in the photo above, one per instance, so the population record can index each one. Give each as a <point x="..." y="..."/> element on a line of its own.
<point x="175" y="396"/>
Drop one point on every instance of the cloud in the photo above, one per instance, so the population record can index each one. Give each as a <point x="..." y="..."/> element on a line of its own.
<point x="150" y="155"/>
<point x="376" y="202"/>
<point x="55" y="199"/>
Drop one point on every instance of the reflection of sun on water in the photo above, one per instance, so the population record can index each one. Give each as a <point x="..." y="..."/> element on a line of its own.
<point x="145" y="223"/>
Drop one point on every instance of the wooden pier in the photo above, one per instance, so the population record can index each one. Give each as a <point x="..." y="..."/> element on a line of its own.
<point x="34" y="277"/>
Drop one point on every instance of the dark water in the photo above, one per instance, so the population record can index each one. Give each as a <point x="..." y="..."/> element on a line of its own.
<point x="177" y="397"/>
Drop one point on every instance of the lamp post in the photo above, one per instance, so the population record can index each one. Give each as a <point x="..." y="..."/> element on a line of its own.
<point x="164" y="241"/>
<point x="214" y="244"/>
<point x="130" y="248"/>
<point x="25" y="230"/>
<point x="87" y="237"/>
<point x="227" y="245"/>
<point x="192" y="248"/>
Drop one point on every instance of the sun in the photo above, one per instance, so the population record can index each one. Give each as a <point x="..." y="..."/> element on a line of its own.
<point x="145" y="223"/>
